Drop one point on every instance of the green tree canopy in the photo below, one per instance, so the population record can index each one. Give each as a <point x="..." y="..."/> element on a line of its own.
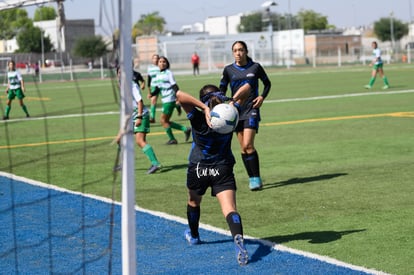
<point x="90" y="47"/>
<point x="148" y="24"/>
<point x="312" y="20"/>
<point x="13" y="20"/>
<point x="44" y="13"/>
<point x="251" y="23"/>
<point x="29" y="40"/>
<point x="382" y="29"/>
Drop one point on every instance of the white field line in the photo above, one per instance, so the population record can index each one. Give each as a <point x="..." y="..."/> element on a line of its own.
<point x="204" y="226"/>
<point x="265" y="102"/>
<point x="368" y="93"/>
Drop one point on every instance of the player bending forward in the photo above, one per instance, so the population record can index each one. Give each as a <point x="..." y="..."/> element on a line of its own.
<point x="211" y="163"/>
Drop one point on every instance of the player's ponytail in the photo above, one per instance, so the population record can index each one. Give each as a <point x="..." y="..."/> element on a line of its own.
<point x="211" y="95"/>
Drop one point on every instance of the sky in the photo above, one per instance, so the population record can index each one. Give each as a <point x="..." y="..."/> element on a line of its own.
<point x="341" y="13"/>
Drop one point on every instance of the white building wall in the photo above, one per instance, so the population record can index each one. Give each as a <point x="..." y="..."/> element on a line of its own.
<point x="222" y="25"/>
<point x="8" y="46"/>
<point x="50" y="29"/>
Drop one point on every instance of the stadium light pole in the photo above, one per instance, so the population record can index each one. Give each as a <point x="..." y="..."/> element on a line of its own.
<point x="266" y="5"/>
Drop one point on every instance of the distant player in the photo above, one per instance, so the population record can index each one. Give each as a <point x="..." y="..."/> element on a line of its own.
<point x="152" y="72"/>
<point x="164" y="84"/>
<point x="15" y="88"/>
<point x="377" y="67"/>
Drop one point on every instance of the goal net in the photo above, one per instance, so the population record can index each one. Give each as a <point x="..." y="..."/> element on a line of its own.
<point x="51" y="162"/>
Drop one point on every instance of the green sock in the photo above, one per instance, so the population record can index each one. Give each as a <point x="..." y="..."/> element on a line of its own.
<point x="385" y="80"/>
<point x="177" y="126"/>
<point x="25" y="109"/>
<point x="8" y="108"/>
<point x="371" y="81"/>
<point x="149" y="152"/>
<point x="170" y="133"/>
<point x="152" y="111"/>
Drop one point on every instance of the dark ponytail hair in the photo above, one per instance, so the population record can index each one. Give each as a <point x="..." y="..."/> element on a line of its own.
<point x="211" y="95"/>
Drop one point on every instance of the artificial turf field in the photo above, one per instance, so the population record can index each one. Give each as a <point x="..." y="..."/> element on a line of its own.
<point x="337" y="160"/>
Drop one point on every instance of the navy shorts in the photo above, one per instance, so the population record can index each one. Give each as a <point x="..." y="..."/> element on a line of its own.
<point x="218" y="177"/>
<point x="251" y="122"/>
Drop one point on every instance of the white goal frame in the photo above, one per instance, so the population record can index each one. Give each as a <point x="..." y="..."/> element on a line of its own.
<point x="7" y="59"/>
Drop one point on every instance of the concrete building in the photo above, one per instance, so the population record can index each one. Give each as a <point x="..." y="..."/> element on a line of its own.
<point x="221" y="25"/>
<point x="8" y="46"/>
<point x="73" y="30"/>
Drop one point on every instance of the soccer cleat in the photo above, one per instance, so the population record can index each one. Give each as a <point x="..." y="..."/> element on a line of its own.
<point x="152" y="120"/>
<point x="153" y="169"/>
<point x="5" y="118"/>
<point x="367" y="87"/>
<point x="241" y="252"/>
<point x="171" y="141"/>
<point x="190" y="239"/>
<point x="118" y="168"/>
<point x="187" y="134"/>
<point x="255" y="183"/>
<point x="386" y="87"/>
<point x="27" y="115"/>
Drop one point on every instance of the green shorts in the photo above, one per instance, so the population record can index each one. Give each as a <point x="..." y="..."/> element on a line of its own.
<point x="145" y="124"/>
<point x="168" y="108"/>
<point x="377" y="66"/>
<point x="13" y="93"/>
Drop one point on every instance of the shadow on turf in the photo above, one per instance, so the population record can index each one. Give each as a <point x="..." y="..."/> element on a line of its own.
<point x="313" y="237"/>
<point x="261" y="251"/>
<point x="303" y="180"/>
<point x="165" y="169"/>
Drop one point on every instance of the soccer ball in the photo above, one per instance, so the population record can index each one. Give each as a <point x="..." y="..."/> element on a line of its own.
<point x="224" y="118"/>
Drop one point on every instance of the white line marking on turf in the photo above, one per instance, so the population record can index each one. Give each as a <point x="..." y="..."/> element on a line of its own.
<point x="266" y="101"/>
<point x="204" y="226"/>
<point x="337" y="96"/>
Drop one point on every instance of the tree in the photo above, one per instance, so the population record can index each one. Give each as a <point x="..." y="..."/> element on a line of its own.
<point x="90" y="47"/>
<point x="312" y="20"/>
<point x="29" y="40"/>
<point x="13" y="20"/>
<point x="382" y="29"/>
<point x="44" y="13"/>
<point x="148" y="24"/>
<point x="251" y="23"/>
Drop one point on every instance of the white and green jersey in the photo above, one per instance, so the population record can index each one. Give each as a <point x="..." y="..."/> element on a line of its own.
<point x="137" y="97"/>
<point x="15" y="79"/>
<point x="376" y="53"/>
<point x="165" y="81"/>
<point x="152" y="72"/>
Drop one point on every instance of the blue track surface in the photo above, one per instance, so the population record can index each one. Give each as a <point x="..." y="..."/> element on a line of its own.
<point x="48" y="231"/>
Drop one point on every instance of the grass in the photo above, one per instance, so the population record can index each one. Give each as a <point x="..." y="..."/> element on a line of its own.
<point x="337" y="169"/>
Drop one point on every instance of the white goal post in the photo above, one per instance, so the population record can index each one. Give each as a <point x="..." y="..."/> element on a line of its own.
<point x="4" y="61"/>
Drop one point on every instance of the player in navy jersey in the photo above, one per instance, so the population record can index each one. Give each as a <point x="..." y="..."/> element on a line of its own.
<point x="245" y="70"/>
<point x="211" y="163"/>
